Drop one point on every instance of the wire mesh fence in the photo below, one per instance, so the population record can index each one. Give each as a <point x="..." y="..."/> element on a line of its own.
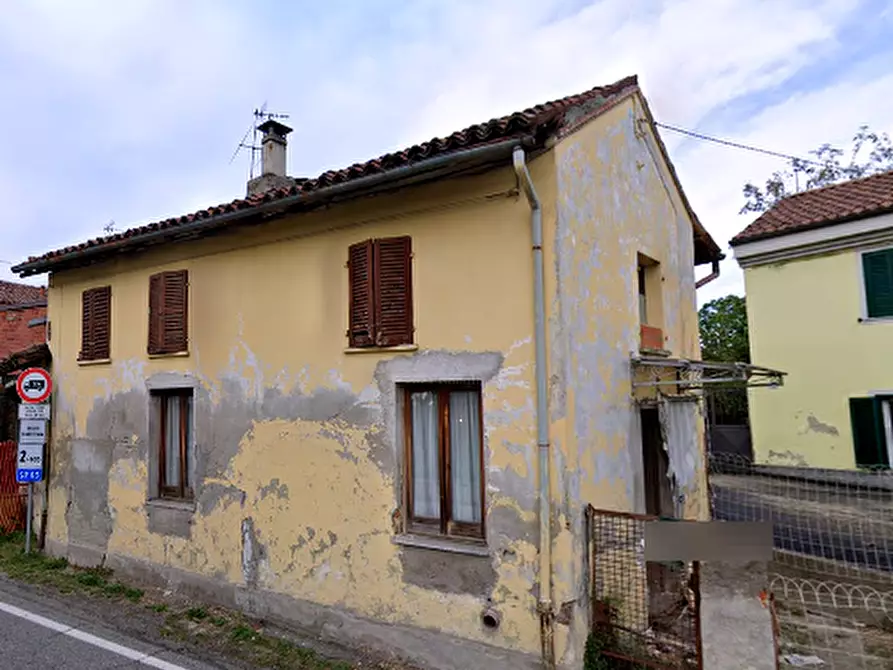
<point x="832" y="568"/>
<point x="13" y="496"/>
<point x="644" y="613"/>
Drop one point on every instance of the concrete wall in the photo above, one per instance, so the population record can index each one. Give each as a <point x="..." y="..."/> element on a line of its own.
<point x="615" y="200"/>
<point x="803" y="319"/>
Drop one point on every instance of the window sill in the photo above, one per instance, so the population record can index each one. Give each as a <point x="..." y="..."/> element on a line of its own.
<point x="662" y="353"/>
<point x="381" y="350"/>
<point x="175" y="354"/>
<point x="448" y="545"/>
<point x="170" y="503"/>
<point x="872" y="320"/>
<point x="95" y="361"/>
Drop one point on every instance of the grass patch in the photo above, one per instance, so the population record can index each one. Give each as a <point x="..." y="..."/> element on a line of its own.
<point x="197" y="613"/>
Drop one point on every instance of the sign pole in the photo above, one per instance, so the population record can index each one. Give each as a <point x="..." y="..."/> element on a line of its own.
<point x="28" y="519"/>
<point x="34" y="387"/>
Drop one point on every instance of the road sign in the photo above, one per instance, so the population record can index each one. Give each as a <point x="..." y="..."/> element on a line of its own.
<point x="32" y="430"/>
<point x="34" y="411"/>
<point x="34" y="385"/>
<point x="29" y="463"/>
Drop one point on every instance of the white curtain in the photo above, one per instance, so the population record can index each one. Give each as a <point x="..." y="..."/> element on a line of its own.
<point x="465" y="460"/>
<point x="172" y="441"/>
<point x="425" y="477"/>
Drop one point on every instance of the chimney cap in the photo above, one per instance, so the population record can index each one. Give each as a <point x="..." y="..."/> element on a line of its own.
<point x="271" y="127"/>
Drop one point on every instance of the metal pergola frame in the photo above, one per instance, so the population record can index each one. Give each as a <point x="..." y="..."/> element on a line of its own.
<point x="693" y="375"/>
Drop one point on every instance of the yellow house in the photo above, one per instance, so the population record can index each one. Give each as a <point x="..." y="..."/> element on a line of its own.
<point x="818" y="272"/>
<point x="377" y="402"/>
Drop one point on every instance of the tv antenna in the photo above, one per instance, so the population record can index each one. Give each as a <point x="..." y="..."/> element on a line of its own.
<point x="260" y="115"/>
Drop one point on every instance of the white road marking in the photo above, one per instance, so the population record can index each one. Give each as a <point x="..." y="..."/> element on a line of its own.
<point x="134" y="655"/>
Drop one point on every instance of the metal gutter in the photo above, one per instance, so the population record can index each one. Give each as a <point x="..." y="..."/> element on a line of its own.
<point x="425" y="169"/>
<point x="544" y="606"/>
<point x="714" y="273"/>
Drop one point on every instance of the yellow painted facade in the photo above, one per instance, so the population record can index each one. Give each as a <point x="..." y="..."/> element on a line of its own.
<point x="804" y="318"/>
<point x="298" y="456"/>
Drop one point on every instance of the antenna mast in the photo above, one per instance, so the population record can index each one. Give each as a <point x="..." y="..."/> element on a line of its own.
<point x="260" y="115"/>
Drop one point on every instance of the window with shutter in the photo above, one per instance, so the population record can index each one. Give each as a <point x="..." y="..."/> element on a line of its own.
<point x="869" y="431"/>
<point x="96" y="317"/>
<point x="168" y="312"/>
<point x="444" y="484"/>
<point x="877" y="271"/>
<point x="173" y="425"/>
<point x="380" y="287"/>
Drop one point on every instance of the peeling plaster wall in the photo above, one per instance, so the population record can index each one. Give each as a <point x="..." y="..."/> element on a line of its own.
<point x="806" y="422"/>
<point x="298" y="445"/>
<point x="615" y="199"/>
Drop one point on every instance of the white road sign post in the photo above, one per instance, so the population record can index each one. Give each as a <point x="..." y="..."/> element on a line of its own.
<point x="34" y="387"/>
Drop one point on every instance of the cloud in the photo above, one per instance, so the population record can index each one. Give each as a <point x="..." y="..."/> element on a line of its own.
<point x="134" y="112"/>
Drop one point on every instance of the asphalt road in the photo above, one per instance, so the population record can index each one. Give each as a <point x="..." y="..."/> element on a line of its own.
<point x="818" y="536"/>
<point x="37" y="634"/>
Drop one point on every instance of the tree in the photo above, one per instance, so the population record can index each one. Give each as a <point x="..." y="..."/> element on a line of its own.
<point x="723" y="324"/>
<point x="870" y="153"/>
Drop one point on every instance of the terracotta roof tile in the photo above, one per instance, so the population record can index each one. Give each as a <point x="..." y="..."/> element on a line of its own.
<point x="829" y="205"/>
<point x="539" y="121"/>
<point x="20" y="294"/>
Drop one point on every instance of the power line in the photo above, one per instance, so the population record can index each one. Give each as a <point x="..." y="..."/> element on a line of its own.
<point x="737" y="145"/>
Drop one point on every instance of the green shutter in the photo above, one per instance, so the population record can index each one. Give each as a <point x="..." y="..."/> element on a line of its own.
<point x="877" y="269"/>
<point x="869" y="437"/>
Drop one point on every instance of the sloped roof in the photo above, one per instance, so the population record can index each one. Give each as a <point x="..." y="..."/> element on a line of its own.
<point x="829" y="205"/>
<point x="535" y="124"/>
<point x="12" y="293"/>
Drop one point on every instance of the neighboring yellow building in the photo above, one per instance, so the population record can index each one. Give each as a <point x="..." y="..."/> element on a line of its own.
<point x="818" y="272"/>
<point x="341" y="410"/>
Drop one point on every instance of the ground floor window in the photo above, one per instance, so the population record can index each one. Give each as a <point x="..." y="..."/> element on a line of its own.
<point x="444" y="459"/>
<point x="173" y="414"/>
<point x="872" y="422"/>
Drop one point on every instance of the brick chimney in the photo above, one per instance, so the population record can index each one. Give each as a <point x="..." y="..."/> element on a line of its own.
<point x="273" y="164"/>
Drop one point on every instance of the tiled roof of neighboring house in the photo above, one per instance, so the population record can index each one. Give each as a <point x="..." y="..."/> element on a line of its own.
<point x="536" y="123"/>
<point x="829" y="205"/>
<point x="20" y="294"/>
<point x="36" y="354"/>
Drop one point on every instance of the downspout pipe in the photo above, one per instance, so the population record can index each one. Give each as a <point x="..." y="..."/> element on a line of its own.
<point x="422" y="170"/>
<point x="544" y="606"/>
<point x="714" y="273"/>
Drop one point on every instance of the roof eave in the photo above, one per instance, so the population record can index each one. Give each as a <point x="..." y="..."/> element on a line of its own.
<point x="738" y="240"/>
<point x="436" y="167"/>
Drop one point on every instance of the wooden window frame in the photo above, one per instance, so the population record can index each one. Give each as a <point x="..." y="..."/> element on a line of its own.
<point x="379" y="329"/>
<point x="867" y="284"/>
<point x="92" y="348"/>
<point x="160" y="313"/>
<point x="184" y="491"/>
<point x="444" y="526"/>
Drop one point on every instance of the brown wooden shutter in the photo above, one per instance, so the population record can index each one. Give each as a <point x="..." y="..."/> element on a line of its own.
<point x="156" y="306"/>
<point x="361" y="329"/>
<point x="393" y="263"/>
<point x="96" y="319"/>
<point x="168" y="312"/>
<point x="86" y="327"/>
<point x="102" y="322"/>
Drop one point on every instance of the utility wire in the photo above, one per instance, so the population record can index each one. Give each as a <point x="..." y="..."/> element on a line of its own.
<point x="736" y="145"/>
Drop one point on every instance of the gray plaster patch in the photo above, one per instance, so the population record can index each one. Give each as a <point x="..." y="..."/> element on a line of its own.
<point x="816" y="426"/>
<point x="253" y="552"/>
<point x="167" y="519"/>
<point x="276" y="488"/>
<point x="214" y="494"/>
<point x="448" y="573"/>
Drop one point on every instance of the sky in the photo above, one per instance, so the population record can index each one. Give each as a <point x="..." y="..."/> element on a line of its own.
<point x="129" y="112"/>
